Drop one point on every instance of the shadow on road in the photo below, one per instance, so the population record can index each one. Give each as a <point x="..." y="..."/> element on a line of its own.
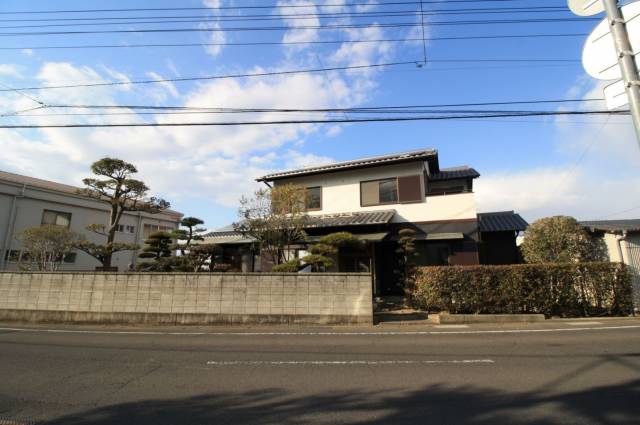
<point x="615" y="404"/>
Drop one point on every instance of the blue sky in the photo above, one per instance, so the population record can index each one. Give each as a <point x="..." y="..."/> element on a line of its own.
<point x="581" y="166"/>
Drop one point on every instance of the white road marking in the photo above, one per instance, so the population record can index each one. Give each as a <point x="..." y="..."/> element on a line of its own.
<point x="341" y="362"/>
<point x="583" y="323"/>
<point x="382" y="333"/>
<point x="451" y="326"/>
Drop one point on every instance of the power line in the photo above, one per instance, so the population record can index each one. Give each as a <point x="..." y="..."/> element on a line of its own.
<point x="301" y="27"/>
<point x="619" y="212"/>
<point x="279" y="111"/>
<point x="458" y="11"/>
<point x="278" y="43"/>
<point x="353" y="4"/>
<point x="217" y="77"/>
<point x="367" y="108"/>
<point x="237" y="18"/>
<point x="314" y="121"/>
<point x="19" y="91"/>
<point x="20" y="112"/>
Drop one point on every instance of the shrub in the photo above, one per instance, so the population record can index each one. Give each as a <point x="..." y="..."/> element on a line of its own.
<point x="291" y="266"/>
<point x="561" y="239"/>
<point x="575" y="289"/>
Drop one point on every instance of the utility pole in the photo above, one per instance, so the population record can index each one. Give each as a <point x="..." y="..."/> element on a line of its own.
<point x="626" y="60"/>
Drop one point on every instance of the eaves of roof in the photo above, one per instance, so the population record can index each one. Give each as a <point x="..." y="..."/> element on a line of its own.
<point x="417" y="155"/>
<point x="502" y="221"/>
<point x="631" y="225"/>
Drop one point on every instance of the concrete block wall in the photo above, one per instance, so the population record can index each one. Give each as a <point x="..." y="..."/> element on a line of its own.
<point x="172" y="298"/>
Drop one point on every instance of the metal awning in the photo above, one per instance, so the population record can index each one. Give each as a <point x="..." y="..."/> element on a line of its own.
<point x="440" y="236"/>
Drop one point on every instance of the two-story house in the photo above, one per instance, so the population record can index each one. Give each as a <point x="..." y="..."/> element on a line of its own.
<point x="30" y="202"/>
<point x="374" y="198"/>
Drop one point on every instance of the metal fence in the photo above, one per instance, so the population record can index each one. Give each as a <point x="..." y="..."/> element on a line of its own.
<point x="633" y="252"/>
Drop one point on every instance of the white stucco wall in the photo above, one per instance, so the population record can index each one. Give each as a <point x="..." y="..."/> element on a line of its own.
<point x="341" y="194"/>
<point x="612" y="246"/>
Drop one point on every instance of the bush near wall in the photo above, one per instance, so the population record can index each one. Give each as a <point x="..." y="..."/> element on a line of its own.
<point x="581" y="289"/>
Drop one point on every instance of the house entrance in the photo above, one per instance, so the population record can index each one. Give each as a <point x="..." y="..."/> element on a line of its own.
<point x="385" y="270"/>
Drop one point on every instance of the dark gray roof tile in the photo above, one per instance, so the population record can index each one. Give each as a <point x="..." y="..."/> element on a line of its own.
<point x="327" y="220"/>
<point x="502" y="221"/>
<point x="416" y="155"/>
<point x="455" y="173"/>
<point x="631" y="225"/>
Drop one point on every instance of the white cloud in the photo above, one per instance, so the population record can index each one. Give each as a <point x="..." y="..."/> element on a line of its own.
<point x="158" y="92"/>
<point x="9" y="70"/>
<point x="297" y="34"/>
<point x="294" y="160"/>
<point x="216" y="36"/>
<point x="540" y="192"/>
<point x="599" y="175"/>
<point x="219" y="163"/>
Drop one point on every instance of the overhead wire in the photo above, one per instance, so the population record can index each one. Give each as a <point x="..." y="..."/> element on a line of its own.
<point x="217" y="77"/>
<point x="303" y="27"/>
<point x="277" y="43"/>
<point x="313" y="121"/>
<point x="236" y="7"/>
<point x="273" y="17"/>
<point x="385" y="13"/>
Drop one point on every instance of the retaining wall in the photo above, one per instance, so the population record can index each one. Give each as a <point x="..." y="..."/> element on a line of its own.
<point x="177" y="298"/>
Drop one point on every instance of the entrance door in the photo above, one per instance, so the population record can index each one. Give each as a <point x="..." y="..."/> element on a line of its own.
<point x="386" y="262"/>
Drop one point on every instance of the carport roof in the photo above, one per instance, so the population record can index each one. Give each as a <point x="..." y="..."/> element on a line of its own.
<point x="501" y="221"/>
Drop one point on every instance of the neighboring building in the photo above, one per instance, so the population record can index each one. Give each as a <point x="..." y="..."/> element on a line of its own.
<point x="29" y="202"/>
<point x="622" y="238"/>
<point x="375" y="197"/>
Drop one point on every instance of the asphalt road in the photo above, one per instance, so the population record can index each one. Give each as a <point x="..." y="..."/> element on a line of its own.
<point x="440" y="376"/>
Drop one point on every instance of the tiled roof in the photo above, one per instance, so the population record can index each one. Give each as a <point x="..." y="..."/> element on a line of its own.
<point x="502" y="221"/>
<point x="455" y="173"/>
<point x="632" y="225"/>
<point x="328" y="220"/>
<point x="352" y="219"/>
<point x="53" y="186"/>
<point x="417" y="155"/>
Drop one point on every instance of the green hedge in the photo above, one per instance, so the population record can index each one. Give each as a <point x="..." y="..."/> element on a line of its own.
<point x="581" y="289"/>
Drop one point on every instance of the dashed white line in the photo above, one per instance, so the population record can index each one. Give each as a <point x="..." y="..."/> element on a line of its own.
<point x="342" y="362"/>
<point x="451" y="326"/>
<point x="370" y="333"/>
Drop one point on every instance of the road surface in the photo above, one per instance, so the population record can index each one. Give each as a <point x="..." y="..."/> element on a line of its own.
<point x="584" y="373"/>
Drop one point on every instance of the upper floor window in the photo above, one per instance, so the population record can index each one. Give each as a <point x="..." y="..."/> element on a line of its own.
<point x="377" y="192"/>
<point x="391" y="190"/>
<point x="447" y="187"/>
<point x="122" y="228"/>
<point x="56" y="217"/>
<point x="314" y="198"/>
<point x="152" y="228"/>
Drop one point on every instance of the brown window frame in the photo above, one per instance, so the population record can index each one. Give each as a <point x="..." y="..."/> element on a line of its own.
<point x="397" y="201"/>
<point x="314" y="209"/>
<point x="63" y="213"/>
<point x="380" y="203"/>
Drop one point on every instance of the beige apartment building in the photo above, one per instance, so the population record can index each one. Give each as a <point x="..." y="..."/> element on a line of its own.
<point x="29" y="202"/>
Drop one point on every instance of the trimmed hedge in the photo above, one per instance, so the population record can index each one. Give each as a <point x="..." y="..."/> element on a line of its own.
<point x="568" y="290"/>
